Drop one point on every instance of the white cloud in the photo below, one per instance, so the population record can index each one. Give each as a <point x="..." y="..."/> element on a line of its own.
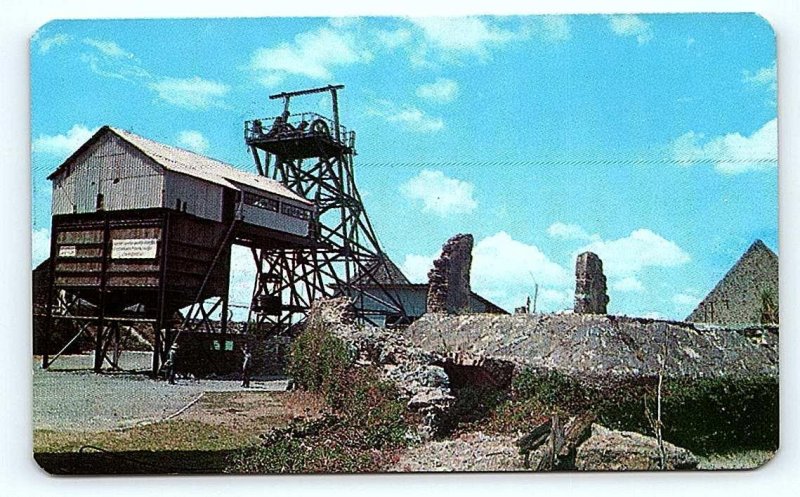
<point x="109" y="48"/>
<point x="473" y="35"/>
<point x="193" y="140"/>
<point x="766" y="77"/>
<point x="394" y="38"/>
<point x="628" y="284"/>
<point x="191" y="93"/>
<point x="442" y="90"/>
<point x="407" y="116"/>
<point x="44" y="45"/>
<point x="505" y="271"/>
<point x="61" y="146"/>
<point x="440" y="194"/>
<point x="499" y="259"/>
<point x="631" y="25"/>
<point x="109" y="60"/>
<point x="556" y="28"/>
<point x="313" y="54"/>
<point x="569" y="232"/>
<point x="416" y="267"/>
<point x="40" y="246"/>
<point x="639" y="250"/>
<point x="731" y="153"/>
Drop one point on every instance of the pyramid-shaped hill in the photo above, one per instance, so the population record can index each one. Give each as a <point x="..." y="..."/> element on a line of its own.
<point x="738" y="299"/>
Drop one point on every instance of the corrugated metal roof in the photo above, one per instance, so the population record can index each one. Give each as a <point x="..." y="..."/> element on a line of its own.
<point x="191" y="164"/>
<point x="199" y="166"/>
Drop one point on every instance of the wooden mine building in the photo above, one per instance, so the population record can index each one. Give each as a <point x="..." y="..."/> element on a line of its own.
<point x="141" y="229"/>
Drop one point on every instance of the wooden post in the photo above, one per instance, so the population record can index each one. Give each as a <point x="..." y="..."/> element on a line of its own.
<point x="51" y="294"/>
<point x="98" y="346"/>
<point x="160" y="323"/>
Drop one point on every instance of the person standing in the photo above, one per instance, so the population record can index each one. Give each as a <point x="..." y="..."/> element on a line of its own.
<point x="247" y="362"/>
<point x="172" y="358"/>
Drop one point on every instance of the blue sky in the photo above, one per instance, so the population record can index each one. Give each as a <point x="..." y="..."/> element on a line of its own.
<point x="648" y="139"/>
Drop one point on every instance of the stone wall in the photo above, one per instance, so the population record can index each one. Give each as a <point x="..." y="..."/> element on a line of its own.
<point x="590" y="285"/>
<point x="597" y="348"/>
<point x="449" y="287"/>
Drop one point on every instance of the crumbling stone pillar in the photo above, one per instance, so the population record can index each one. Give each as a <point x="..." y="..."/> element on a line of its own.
<point x="590" y="285"/>
<point x="448" y="281"/>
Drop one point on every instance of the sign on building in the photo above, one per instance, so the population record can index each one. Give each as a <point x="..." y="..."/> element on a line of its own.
<point x="67" y="251"/>
<point x="134" y="248"/>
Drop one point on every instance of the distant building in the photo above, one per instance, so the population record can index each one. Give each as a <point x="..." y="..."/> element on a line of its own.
<point x="413" y="296"/>
<point x="746" y="295"/>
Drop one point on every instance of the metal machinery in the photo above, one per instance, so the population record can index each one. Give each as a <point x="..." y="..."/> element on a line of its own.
<point x="313" y="156"/>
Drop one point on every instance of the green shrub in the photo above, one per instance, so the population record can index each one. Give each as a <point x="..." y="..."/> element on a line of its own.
<point x="369" y="420"/>
<point x="704" y="415"/>
<point x="318" y="359"/>
<point x="551" y="389"/>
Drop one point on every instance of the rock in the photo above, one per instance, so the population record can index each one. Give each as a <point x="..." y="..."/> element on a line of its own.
<point x="590" y="285"/>
<point x="415" y="372"/>
<point x="449" y="280"/>
<point x="611" y="450"/>
<point x="426" y="398"/>
<point x="469" y="452"/>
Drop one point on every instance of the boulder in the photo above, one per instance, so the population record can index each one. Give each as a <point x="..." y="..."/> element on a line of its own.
<point x="611" y="450"/>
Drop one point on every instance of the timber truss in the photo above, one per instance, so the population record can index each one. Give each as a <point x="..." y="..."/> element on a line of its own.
<point x="313" y="156"/>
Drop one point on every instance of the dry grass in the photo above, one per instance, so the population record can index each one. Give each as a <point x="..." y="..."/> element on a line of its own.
<point x="219" y="421"/>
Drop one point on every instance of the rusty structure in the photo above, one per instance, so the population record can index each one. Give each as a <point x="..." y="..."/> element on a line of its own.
<point x="142" y="235"/>
<point x="312" y="155"/>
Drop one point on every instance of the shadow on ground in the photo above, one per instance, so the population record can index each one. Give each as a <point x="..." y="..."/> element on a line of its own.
<point x="97" y="462"/>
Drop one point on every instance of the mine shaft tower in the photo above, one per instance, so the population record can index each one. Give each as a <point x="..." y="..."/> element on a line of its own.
<point x="313" y="156"/>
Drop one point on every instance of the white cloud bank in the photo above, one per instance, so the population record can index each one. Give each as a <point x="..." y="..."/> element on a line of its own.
<point x="505" y="270"/>
<point x="440" y="194"/>
<point x="731" y="153"/>
<point x="312" y="54"/>
<point x="766" y="77"/>
<point x="62" y="145"/>
<point x="193" y="93"/>
<point x="641" y="249"/>
<point x="455" y="36"/>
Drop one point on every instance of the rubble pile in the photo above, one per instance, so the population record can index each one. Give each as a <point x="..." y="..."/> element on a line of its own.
<point x="418" y="374"/>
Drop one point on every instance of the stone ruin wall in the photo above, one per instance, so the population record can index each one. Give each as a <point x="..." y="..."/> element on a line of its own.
<point x="590" y="285"/>
<point x="449" y="280"/>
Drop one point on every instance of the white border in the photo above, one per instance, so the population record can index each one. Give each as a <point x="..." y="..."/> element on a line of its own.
<point x="20" y="476"/>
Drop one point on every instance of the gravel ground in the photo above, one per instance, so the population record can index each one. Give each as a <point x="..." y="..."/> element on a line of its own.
<point x="469" y="452"/>
<point x="70" y="397"/>
<point x="746" y="459"/>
